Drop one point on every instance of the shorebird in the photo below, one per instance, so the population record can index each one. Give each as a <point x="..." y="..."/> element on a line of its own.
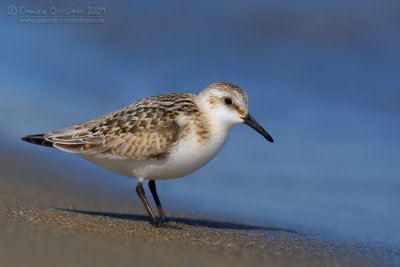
<point x="161" y="137"/>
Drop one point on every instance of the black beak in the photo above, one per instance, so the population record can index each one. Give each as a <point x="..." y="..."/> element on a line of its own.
<point x="256" y="126"/>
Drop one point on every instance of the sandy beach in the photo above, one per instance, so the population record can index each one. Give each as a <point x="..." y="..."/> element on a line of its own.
<point x="49" y="219"/>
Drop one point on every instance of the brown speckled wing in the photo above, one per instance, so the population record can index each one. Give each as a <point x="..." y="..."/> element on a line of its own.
<point x="146" y="129"/>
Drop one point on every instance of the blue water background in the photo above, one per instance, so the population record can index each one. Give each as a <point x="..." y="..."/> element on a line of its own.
<point x="323" y="77"/>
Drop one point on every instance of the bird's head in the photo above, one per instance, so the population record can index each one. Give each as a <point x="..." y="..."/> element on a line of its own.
<point x="227" y="104"/>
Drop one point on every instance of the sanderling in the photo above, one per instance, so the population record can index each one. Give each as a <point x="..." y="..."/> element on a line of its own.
<point x="161" y="137"/>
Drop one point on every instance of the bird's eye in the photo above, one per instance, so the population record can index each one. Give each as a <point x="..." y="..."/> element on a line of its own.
<point x="228" y="101"/>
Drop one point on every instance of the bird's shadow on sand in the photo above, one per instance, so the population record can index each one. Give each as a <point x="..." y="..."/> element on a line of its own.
<point x="192" y="222"/>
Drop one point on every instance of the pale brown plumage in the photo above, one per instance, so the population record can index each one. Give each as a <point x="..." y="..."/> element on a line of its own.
<point x="157" y="138"/>
<point x="147" y="129"/>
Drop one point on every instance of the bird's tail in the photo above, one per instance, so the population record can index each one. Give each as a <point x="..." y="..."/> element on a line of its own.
<point x="37" y="139"/>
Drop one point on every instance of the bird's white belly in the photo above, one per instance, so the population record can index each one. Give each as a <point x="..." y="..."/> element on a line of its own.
<point x="188" y="156"/>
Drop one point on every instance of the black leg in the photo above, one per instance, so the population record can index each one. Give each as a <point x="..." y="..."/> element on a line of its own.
<point x="140" y="192"/>
<point x="152" y="186"/>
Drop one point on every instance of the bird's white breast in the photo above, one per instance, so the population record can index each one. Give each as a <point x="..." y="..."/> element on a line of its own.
<point x="190" y="154"/>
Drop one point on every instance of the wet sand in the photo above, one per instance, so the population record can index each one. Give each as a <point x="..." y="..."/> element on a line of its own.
<point x="48" y="218"/>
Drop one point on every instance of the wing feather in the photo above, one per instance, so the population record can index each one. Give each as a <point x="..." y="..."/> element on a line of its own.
<point x="147" y="129"/>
